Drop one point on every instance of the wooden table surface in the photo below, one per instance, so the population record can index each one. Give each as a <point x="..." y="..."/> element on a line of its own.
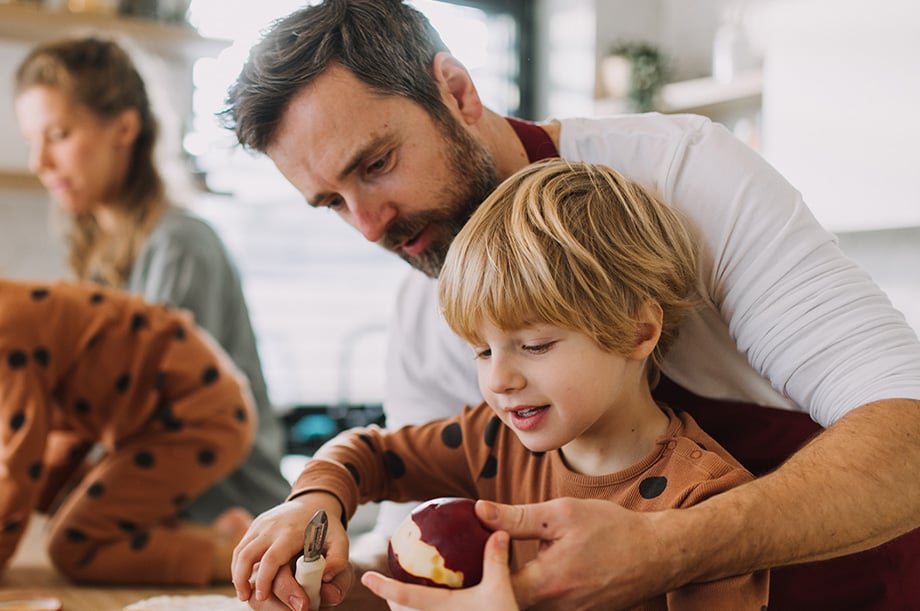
<point x="30" y="571"/>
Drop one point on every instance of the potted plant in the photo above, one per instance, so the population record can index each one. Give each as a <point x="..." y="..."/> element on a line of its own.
<point x="636" y="71"/>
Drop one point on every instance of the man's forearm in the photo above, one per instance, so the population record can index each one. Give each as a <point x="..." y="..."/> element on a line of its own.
<point x="849" y="489"/>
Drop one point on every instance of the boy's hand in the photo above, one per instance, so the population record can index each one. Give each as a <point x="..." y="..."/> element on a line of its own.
<point x="261" y="566"/>
<point x="494" y="592"/>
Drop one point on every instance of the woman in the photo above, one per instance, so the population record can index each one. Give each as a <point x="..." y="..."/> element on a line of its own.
<point x="84" y="110"/>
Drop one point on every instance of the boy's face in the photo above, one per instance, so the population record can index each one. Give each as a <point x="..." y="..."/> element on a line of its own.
<point x="556" y="387"/>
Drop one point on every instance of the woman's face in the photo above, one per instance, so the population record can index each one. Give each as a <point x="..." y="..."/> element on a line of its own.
<point x="80" y="158"/>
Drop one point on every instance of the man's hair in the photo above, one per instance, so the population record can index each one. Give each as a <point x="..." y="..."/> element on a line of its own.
<point x="386" y="44"/>
<point x="574" y="245"/>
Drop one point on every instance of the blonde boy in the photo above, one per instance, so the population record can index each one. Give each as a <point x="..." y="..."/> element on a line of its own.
<point x="569" y="283"/>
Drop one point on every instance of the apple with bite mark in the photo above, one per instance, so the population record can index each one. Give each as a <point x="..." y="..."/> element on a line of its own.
<point x="440" y="543"/>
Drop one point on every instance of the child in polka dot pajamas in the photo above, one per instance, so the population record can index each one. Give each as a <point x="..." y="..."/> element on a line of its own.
<point x="81" y="367"/>
<point x="568" y="282"/>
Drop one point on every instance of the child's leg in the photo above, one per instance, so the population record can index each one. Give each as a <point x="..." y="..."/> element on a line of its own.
<point x="64" y="460"/>
<point x="118" y="525"/>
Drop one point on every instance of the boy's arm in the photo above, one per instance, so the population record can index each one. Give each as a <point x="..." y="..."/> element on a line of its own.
<point x="410" y="463"/>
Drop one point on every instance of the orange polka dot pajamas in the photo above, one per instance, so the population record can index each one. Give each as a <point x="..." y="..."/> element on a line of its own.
<point x="82" y="366"/>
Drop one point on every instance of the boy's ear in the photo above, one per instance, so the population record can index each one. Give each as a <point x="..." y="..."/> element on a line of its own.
<point x="457" y="88"/>
<point x="649" y="319"/>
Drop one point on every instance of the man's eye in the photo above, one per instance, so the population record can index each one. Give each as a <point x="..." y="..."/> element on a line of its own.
<point x="334" y="203"/>
<point x="378" y="165"/>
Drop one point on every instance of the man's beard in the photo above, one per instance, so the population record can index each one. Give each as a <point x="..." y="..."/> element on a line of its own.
<point x="473" y="171"/>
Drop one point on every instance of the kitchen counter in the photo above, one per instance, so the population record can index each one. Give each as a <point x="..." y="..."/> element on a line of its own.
<point x="31" y="571"/>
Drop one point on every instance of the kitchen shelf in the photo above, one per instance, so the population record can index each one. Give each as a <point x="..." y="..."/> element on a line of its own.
<point x="704" y="96"/>
<point x="15" y="179"/>
<point x="33" y="24"/>
<point x="701" y="93"/>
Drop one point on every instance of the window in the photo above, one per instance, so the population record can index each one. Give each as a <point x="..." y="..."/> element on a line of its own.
<point x="319" y="294"/>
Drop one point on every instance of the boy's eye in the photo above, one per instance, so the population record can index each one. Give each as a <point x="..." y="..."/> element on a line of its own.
<point x="539" y="348"/>
<point x="483" y="353"/>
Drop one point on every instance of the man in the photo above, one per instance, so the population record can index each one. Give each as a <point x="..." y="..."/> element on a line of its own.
<point x="362" y="108"/>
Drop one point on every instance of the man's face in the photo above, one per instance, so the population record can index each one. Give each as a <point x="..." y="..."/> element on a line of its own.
<point x="384" y="165"/>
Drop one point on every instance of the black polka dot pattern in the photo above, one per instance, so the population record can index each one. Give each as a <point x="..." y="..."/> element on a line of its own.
<point x="394" y="464"/>
<point x="652" y="487"/>
<point x="367" y="441"/>
<point x="11" y="526"/>
<point x="138" y="322"/>
<point x="96" y="490"/>
<point x="144" y="460"/>
<point x="209" y="375"/>
<point x="41" y="356"/>
<point x="354" y="472"/>
<point x="206" y="458"/>
<point x="16" y="422"/>
<point x="123" y="383"/>
<point x="75" y="536"/>
<point x="17" y="359"/>
<point x="490" y="469"/>
<point x="139" y="541"/>
<point x="452" y="435"/>
<point x="35" y="470"/>
<point x="492" y="429"/>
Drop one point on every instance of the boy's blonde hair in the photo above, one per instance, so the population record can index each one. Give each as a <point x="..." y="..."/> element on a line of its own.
<point x="574" y="245"/>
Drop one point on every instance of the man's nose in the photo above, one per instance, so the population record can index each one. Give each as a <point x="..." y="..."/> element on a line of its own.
<point x="372" y="219"/>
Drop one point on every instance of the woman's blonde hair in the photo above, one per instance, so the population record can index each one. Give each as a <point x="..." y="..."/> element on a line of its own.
<point x="574" y="245"/>
<point x="100" y="76"/>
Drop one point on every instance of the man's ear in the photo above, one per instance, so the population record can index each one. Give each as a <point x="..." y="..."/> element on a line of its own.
<point x="127" y="125"/>
<point x="649" y="319"/>
<point x="457" y="88"/>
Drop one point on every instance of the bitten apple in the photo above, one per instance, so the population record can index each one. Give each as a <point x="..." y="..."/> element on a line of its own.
<point x="440" y="543"/>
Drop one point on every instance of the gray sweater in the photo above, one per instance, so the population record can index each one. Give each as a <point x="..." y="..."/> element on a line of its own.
<point x="184" y="263"/>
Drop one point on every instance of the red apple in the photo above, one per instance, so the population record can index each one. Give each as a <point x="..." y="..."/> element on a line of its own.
<point x="439" y="544"/>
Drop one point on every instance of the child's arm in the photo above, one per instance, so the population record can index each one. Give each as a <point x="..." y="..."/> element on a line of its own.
<point x="275" y="538"/>
<point x="410" y="463"/>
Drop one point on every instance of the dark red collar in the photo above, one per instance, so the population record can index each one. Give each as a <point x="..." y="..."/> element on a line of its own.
<point x="536" y="141"/>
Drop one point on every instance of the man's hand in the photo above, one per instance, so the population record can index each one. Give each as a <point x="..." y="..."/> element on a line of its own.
<point x="593" y="553"/>
<point x="493" y="592"/>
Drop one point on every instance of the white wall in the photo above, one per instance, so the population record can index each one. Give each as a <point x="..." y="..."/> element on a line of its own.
<point x="841" y="108"/>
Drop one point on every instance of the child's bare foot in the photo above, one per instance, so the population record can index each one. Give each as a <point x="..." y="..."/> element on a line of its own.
<point x="233" y="523"/>
<point x="229" y="528"/>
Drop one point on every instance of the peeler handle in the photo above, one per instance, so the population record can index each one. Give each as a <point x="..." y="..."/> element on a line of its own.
<point x="309" y="574"/>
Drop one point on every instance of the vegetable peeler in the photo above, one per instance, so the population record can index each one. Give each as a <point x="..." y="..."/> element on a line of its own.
<point x="310" y="566"/>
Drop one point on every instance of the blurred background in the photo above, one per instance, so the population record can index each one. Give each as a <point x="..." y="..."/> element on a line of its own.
<point x="826" y="90"/>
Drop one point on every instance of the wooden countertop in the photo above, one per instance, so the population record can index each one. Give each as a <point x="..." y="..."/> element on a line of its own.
<point x="31" y="571"/>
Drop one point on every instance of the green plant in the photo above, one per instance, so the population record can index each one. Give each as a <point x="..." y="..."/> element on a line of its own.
<point x="649" y="72"/>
